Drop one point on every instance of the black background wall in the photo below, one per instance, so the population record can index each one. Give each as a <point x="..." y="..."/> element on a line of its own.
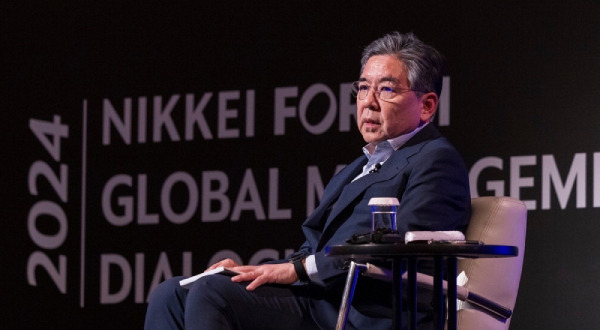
<point x="143" y="140"/>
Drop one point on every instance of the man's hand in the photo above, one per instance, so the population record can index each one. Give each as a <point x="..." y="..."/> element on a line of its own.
<point x="262" y="274"/>
<point x="227" y="263"/>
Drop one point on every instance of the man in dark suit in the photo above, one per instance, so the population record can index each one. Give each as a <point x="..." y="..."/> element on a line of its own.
<point x="405" y="157"/>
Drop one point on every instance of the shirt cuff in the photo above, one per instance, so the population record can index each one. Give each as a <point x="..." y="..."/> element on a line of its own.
<point x="311" y="269"/>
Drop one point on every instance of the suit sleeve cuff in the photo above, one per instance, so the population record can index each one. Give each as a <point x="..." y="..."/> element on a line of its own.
<point x="311" y="270"/>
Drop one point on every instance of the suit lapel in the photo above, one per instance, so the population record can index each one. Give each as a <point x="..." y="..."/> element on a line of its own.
<point x="332" y="193"/>
<point x="395" y="164"/>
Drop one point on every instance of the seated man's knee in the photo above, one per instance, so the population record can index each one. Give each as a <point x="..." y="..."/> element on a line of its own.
<point x="212" y="284"/>
<point x="166" y="306"/>
<point x="169" y="290"/>
<point x="215" y="290"/>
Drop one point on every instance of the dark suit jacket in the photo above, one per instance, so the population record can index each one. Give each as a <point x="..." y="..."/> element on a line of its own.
<point x="430" y="180"/>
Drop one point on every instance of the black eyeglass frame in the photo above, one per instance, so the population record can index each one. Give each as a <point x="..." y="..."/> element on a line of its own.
<point x="356" y="91"/>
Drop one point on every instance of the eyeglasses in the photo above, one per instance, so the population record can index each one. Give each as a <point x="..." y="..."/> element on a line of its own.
<point x="361" y="90"/>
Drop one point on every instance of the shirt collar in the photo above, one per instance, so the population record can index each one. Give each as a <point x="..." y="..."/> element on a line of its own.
<point x="396" y="142"/>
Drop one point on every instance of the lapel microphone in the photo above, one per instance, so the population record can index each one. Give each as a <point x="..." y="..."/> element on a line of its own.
<point x="376" y="169"/>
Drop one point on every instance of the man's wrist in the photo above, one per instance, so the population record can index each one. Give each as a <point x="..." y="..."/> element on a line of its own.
<point x="298" y="263"/>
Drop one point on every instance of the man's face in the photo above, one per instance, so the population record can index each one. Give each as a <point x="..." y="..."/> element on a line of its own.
<point x="379" y="120"/>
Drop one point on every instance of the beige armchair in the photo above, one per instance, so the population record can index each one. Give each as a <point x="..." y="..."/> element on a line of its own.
<point x="493" y="281"/>
<point x="494" y="220"/>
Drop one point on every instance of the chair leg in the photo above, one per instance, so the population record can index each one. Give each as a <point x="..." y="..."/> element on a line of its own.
<point x="353" y="272"/>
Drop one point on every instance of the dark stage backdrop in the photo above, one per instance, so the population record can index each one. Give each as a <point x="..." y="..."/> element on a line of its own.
<point x="146" y="140"/>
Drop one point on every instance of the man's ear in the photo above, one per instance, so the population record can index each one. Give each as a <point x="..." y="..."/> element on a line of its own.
<point x="429" y="106"/>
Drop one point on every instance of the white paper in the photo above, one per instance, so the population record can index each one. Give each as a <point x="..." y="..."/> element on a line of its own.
<point x="453" y="235"/>
<point x="461" y="280"/>
<point x="187" y="282"/>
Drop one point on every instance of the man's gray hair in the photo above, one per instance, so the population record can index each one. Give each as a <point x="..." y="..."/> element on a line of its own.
<point x="424" y="64"/>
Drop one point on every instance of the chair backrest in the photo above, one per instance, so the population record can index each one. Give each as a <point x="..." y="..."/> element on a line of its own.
<point x="494" y="220"/>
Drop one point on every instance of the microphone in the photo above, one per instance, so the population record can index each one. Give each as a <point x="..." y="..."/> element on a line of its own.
<point x="376" y="169"/>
